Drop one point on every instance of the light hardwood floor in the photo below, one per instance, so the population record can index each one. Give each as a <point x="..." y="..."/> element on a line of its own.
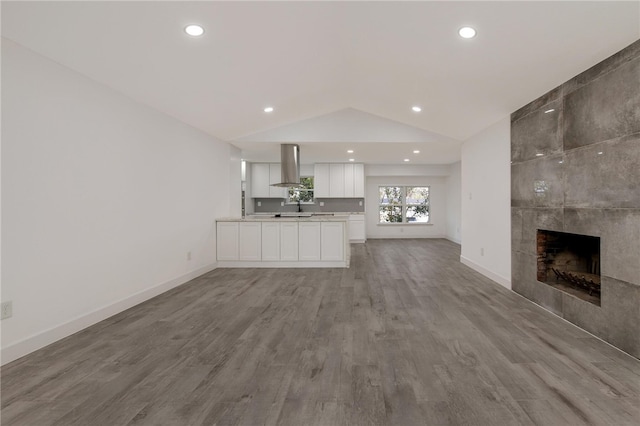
<point x="406" y="336"/>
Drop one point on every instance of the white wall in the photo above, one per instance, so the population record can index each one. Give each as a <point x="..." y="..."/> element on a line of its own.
<point x="454" y="207"/>
<point x="486" y="202"/>
<point x="102" y="199"/>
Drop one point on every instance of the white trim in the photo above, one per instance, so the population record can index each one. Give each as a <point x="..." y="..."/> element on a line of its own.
<point x="454" y="240"/>
<point x="53" y="334"/>
<point x="503" y="281"/>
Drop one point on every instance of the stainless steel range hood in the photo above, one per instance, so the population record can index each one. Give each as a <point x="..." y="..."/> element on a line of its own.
<point x="290" y="165"/>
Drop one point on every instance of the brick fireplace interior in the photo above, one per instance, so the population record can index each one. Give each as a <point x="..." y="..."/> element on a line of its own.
<point x="570" y="263"/>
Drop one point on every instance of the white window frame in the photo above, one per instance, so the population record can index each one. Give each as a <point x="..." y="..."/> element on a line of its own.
<point x="404" y="205"/>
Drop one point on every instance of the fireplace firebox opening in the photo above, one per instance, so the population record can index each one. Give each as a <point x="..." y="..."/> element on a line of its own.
<point x="570" y="263"/>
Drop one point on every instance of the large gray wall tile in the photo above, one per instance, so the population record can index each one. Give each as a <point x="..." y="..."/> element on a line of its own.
<point x="537" y="132"/>
<point x="516" y="228"/>
<point x="523" y="272"/>
<point x="537" y="183"/>
<point x="537" y="104"/>
<point x="622" y="316"/>
<point x="629" y="53"/>
<point x="604" y="175"/>
<point x="584" y="314"/>
<point x="619" y="232"/>
<point x="606" y="108"/>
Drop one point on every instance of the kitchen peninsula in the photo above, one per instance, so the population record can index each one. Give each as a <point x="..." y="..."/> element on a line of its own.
<point x="283" y="241"/>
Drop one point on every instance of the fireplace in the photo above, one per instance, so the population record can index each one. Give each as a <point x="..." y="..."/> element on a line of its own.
<point x="570" y="263"/>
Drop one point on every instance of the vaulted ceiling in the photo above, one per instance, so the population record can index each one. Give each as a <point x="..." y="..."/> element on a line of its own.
<point x="328" y="62"/>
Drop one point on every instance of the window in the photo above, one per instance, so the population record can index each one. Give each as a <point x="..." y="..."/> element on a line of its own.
<point x="404" y="204"/>
<point x="304" y="194"/>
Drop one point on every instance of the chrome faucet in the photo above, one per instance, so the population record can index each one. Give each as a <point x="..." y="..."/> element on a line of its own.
<point x="299" y="207"/>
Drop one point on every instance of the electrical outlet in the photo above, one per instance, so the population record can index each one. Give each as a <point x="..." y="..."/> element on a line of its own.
<point x="188" y="255"/>
<point x="321" y="203"/>
<point x="259" y="203"/>
<point x="360" y="203"/>
<point x="482" y="252"/>
<point x="281" y="203"/>
<point x="6" y="310"/>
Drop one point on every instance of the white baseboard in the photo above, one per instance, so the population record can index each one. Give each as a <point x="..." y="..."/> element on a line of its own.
<point x="503" y="281"/>
<point x="453" y="240"/>
<point x="51" y="335"/>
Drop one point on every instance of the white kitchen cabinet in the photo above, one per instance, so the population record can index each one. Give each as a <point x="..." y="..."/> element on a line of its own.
<point x="321" y="181"/>
<point x="289" y="241"/>
<point x="308" y="240"/>
<point x="262" y="176"/>
<point x="275" y="176"/>
<point x="337" y="180"/>
<point x="271" y="241"/>
<point x="358" y="180"/>
<point x="227" y="240"/>
<point x="357" y="228"/>
<point x="250" y="241"/>
<point x="348" y="181"/>
<point x="332" y="241"/>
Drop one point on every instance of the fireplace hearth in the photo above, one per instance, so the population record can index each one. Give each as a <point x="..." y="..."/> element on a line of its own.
<point x="570" y="263"/>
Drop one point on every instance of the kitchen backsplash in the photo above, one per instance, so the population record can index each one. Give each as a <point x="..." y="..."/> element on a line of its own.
<point x="269" y="205"/>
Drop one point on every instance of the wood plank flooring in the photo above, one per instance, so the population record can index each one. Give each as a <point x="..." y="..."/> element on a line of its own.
<point x="406" y="336"/>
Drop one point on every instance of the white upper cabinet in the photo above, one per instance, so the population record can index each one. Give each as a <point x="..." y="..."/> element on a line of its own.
<point x="321" y="181"/>
<point x="337" y="180"/>
<point x="348" y="181"/>
<point x="263" y="175"/>
<point x="358" y="180"/>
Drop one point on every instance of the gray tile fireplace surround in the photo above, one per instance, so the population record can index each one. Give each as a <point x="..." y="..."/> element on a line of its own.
<point x="576" y="169"/>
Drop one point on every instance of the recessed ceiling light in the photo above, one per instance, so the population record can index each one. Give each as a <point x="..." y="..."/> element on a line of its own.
<point x="406" y="160"/>
<point x="549" y="110"/>
<point x="560" y="162"/>
<point x="352" y="159"/>
<point x="268" y="109"/>
<point x="467" y="32"/>
<point x="600" y="152"/>
<point x="416" y="151"/>
<point x="194" y="30"/>
<point x="416" y="108"/>
<point x="539" y="154"/>
<point x="350" y="151"/>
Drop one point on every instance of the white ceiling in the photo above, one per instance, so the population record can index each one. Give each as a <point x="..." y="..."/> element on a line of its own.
<point x="316" y="61"/>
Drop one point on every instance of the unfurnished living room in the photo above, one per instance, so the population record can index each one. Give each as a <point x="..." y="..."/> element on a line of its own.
<point x="320" y="213"/>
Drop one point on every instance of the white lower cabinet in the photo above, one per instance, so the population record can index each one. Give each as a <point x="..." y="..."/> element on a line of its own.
<point x="289" y="241"/>
<point x="357" y="232"/>
<point x="289" y="244"/>
<point x="332" y="240"/>
<point x="250" y="241"/>
<point x="227" y="240"/>
<point x="309" y="241"/>
<point x="271" y="241"/>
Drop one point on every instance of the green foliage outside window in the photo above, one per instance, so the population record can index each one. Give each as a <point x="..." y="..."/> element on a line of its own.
<point x="303" y="194"/>
<point x="404" y="204"/>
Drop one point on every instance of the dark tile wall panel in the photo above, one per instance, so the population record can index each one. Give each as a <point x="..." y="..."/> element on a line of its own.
<point x="538" y="132"/>
<point x="586" y="182"/>
<point x="607" y="108"/>
<point x="539" y="183"/>
<point x="604" y="175"/>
